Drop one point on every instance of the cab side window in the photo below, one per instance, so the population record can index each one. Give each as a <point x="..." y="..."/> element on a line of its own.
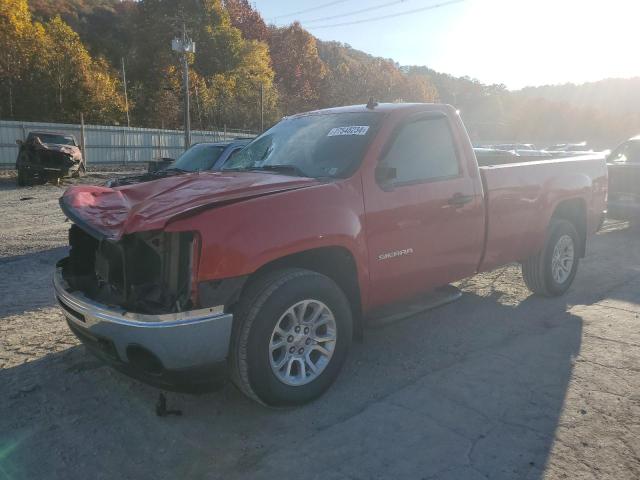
<point x="423" y="150"/>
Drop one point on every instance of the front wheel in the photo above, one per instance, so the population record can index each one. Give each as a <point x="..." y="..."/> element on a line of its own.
<point x="291" y="337"/>
<point x="22" y="177"/>
<point x="552" y="270"/>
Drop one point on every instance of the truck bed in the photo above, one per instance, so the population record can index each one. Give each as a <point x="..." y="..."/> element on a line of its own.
<point x="521" y="197"/>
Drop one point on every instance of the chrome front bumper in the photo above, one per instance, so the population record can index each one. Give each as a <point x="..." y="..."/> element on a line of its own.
<point x="179" y="341"/>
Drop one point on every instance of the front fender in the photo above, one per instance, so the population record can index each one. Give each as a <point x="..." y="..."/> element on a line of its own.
<point x="239" y="238"/>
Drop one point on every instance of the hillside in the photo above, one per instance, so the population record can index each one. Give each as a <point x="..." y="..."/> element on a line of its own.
<point x="238" y="53"/>
<point x="619" y="95"/>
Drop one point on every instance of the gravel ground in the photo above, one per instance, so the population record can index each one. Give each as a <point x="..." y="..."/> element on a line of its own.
<point x="498" y="385"/>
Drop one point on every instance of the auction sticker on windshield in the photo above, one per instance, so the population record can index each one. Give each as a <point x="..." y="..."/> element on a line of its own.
<point x="353" y="130"/>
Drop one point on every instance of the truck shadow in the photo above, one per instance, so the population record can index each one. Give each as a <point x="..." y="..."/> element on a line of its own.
<point x="474" y="388"/>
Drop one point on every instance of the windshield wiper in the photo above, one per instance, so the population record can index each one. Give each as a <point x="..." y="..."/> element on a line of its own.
<point x="283" y="168"/>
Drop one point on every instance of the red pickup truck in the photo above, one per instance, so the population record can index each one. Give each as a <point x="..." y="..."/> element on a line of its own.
<point x="267" y="269"/>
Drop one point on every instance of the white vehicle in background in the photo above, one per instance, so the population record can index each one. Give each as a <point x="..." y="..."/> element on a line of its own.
<point x="532" y="153"/>
<point x="513" y="146"/>
<point x="569" y="149"/>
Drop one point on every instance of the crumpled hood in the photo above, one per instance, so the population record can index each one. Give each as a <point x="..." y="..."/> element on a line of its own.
<point x="114" y="212"/>
<point x="68" y="149"/>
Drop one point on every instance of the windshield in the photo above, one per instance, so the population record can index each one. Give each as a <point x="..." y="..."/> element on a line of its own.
<point x="199" y="157"/>
<point x="328" y="145"/>
<point x="55" y="139"/>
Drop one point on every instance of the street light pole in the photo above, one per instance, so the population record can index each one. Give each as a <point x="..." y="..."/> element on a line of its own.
<point x="187" y="115"/>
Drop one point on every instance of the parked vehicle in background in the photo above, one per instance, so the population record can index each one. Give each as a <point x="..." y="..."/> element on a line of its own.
<point x="48" y="156"/>
<point x="199" y="157"/>
<point x="533" y="153"/>
<point x="624" y="181"/>
<point x="569" y="149"/>
<point x="492" y="156"/>
<point x="513" y="146"/>
<point x="267" y="268"/>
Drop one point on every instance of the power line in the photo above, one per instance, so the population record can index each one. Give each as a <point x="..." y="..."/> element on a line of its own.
<point x="299" y="12"/>
<point x="393" y="15"/>
<point x="354" y="12"/>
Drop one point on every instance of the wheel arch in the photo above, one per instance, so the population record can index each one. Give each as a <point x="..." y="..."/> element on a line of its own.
<point x="337" y="263"/>
<point x="574" y="210"/>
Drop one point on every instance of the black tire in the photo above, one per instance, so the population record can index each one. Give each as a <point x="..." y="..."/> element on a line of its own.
<point x="537" y="270"/>
<point x="260" y="308"/>
<point x="22" y="181"/>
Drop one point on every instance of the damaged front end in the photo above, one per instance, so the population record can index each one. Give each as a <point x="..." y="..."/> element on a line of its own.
<point x="132" y="303"/>
<point x="147" y="272"/>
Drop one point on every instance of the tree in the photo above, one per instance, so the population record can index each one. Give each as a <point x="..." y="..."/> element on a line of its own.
<point x="79" y="83"/>
<point x="298" y="68"/>
<point x="247" y="20"/>
<point x="233" y="98"/>
<point x="354" y="77"/>
<point x="226" y="71"/>
<point x="21" y="40"/>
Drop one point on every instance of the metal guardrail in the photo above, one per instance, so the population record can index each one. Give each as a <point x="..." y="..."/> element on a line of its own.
<point x="111" y="144"/>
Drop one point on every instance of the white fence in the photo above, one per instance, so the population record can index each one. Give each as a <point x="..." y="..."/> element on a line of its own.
<point x="111" y="145"/>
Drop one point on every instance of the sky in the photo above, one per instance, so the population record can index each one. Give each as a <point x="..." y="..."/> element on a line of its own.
<point x="514" y="42"/>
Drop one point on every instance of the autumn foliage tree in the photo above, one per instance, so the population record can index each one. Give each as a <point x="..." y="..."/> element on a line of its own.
<point x="246" y="19"/>
<point x="49" y="74"/>
<point x="21" y="40"/>
<point x="299" y="71"/>
<point x="77" y="83"/>
<point x="63" y="57"/>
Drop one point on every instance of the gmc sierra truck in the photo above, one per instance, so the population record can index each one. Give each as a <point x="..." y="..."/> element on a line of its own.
<point x="265" y="271"/>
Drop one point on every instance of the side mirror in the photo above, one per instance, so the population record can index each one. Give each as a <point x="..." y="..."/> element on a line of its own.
<point x="384" y="174"/>
<point x="19" y="142"/>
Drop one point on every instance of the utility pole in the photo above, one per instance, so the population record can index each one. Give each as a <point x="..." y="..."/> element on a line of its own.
<point x="184" y="46"/>
<point x="261" y="107"/>
<point x="83" y="146"/>
<point x="126" y="98"/>
<point x="185" y="73"/>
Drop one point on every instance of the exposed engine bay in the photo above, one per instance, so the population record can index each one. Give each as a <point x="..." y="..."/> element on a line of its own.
<point x="147" y="272"/>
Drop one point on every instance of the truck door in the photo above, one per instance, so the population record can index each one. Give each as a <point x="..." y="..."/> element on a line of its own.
<point x="424" y="213"/>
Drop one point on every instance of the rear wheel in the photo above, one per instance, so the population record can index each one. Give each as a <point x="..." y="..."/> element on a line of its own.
<point x="552" y="270"/>
<point x="292" y="332"/>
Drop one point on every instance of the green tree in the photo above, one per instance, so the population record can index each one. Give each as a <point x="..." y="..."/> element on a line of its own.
<point x="233" y="98"/>
<point x="226" y="71"/>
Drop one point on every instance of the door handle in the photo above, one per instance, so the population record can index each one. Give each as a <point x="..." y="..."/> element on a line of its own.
<point x="459" y="200"/>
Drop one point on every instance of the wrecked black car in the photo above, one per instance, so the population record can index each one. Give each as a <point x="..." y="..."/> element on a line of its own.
<point x="45" y="156"/>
